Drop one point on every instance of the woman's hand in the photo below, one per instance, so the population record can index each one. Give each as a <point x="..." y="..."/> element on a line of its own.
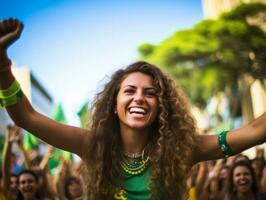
<point x="10" y="31"/>
<point x="13" y="134"/>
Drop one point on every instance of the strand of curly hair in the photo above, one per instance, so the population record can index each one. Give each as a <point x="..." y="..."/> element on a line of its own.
<point x="175" y="143"/>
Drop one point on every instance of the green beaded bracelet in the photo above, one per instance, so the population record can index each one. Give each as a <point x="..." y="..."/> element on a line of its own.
<point x="225" y="148"/>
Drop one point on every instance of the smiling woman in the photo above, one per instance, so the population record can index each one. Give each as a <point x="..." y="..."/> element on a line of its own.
<point x="141" y="143"/>
<point x="73" y="188"/>
<point x="243" y="183"/>
<point x="140" y="99"/>
<point x="27" y="185"/>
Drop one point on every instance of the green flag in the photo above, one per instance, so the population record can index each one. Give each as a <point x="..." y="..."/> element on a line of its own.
<point x="84" y="115"/>
<point x="57" y="157"/>
<point x="59" y="115"/>
<point x="30" y="141"/>
<point x="2" y="143"/>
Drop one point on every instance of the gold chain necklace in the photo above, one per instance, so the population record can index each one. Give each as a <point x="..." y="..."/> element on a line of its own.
<point x="133" y="155"/>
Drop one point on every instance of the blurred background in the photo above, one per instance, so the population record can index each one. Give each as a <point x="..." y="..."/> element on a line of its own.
<point x="215" y="49"/>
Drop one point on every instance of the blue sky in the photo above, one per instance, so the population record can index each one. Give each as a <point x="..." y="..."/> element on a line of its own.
<point x="71" y="46"/>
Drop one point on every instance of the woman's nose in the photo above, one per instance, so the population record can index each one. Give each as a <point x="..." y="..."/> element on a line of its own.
<point x="242" y="176"/>
<point x="139" y="97"/>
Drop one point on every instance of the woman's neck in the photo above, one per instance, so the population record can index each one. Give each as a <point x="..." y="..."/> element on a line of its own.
<point x="134" y="141"/>
<point x="246" y="196"/>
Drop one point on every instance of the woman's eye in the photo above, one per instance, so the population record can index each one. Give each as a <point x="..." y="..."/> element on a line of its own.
<point x="129" y="91"/>
<point x="150" y="94"/>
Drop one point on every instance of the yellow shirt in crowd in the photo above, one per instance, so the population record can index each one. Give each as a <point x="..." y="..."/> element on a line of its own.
<point x="2" y="196"/>
<point x="192" y="194"/>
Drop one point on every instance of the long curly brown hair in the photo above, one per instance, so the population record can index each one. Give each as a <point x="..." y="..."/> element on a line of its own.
<point x="172" y="138"/>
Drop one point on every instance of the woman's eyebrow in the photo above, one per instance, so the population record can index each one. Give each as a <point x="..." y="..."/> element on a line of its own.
<point x="134" y="87"/>
<point x="150" y="88"/>
<point x="130" y="86"/>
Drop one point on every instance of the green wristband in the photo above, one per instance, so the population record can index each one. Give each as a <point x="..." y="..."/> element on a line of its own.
<point x="11" y="95"/>
<point x="225" y="148"/>
<point x="11" y="100"/>
<point x="12" y="90"/>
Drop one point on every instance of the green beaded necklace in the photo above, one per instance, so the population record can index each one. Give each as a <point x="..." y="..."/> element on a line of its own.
<point x="136" y="166"/>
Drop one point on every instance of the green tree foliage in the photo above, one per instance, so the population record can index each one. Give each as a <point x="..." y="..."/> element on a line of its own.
<point x="146" y="49"/>
<point x="214" y="54"/>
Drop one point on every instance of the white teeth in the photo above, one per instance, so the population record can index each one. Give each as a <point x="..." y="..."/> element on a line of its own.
<point x="242" y="182"/>
<point x="137" y="110"/>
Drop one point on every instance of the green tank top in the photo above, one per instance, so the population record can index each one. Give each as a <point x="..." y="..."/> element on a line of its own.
<point x="135" y="187"/>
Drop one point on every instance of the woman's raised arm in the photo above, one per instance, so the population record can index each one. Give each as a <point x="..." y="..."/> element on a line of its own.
<point x="20" y="110"/>
<point x="235" y="141"/>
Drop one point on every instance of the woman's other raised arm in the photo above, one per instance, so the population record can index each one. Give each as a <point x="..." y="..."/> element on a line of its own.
<point x="238" y="140"/>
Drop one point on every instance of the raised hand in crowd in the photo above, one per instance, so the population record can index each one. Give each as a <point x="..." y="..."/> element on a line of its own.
<point x="219" y="180"/>
<point x="263" y="180"/>
<point x="10" y="180"/>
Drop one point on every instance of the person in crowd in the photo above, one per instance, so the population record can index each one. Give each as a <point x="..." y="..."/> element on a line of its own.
<point x="213" y="180"/>
<point x="10" y="180"/>
<point x="68" y="181"/>
<point x="263" y="180"/>
<point x="141" y="143"/>
<point x="197" y="180"/>
<point x="240" y="157"/>
<point x="2" y="195"/>
<point x="28" y="186"/>
<point x="242" y="183"/>
<point x="44" y="174"/>
<point x="218" y="181"/>
<point x="258" y="164"/>
<point x="73" y="188"/>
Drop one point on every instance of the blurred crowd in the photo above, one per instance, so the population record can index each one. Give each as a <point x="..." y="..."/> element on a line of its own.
<point x="234" y="178"/>
<point x="27" y="175"/>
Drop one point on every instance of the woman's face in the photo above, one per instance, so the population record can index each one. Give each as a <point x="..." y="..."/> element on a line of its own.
<point x="14" y="183"/>
<point x="75" y="189"/>
<point x="136" y="102"/>
<point x="27" y="185"/>
<point x="242" y="179"/>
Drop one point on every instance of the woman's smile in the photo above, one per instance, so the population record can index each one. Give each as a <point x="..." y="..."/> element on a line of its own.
<point x="137" y="112"/>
